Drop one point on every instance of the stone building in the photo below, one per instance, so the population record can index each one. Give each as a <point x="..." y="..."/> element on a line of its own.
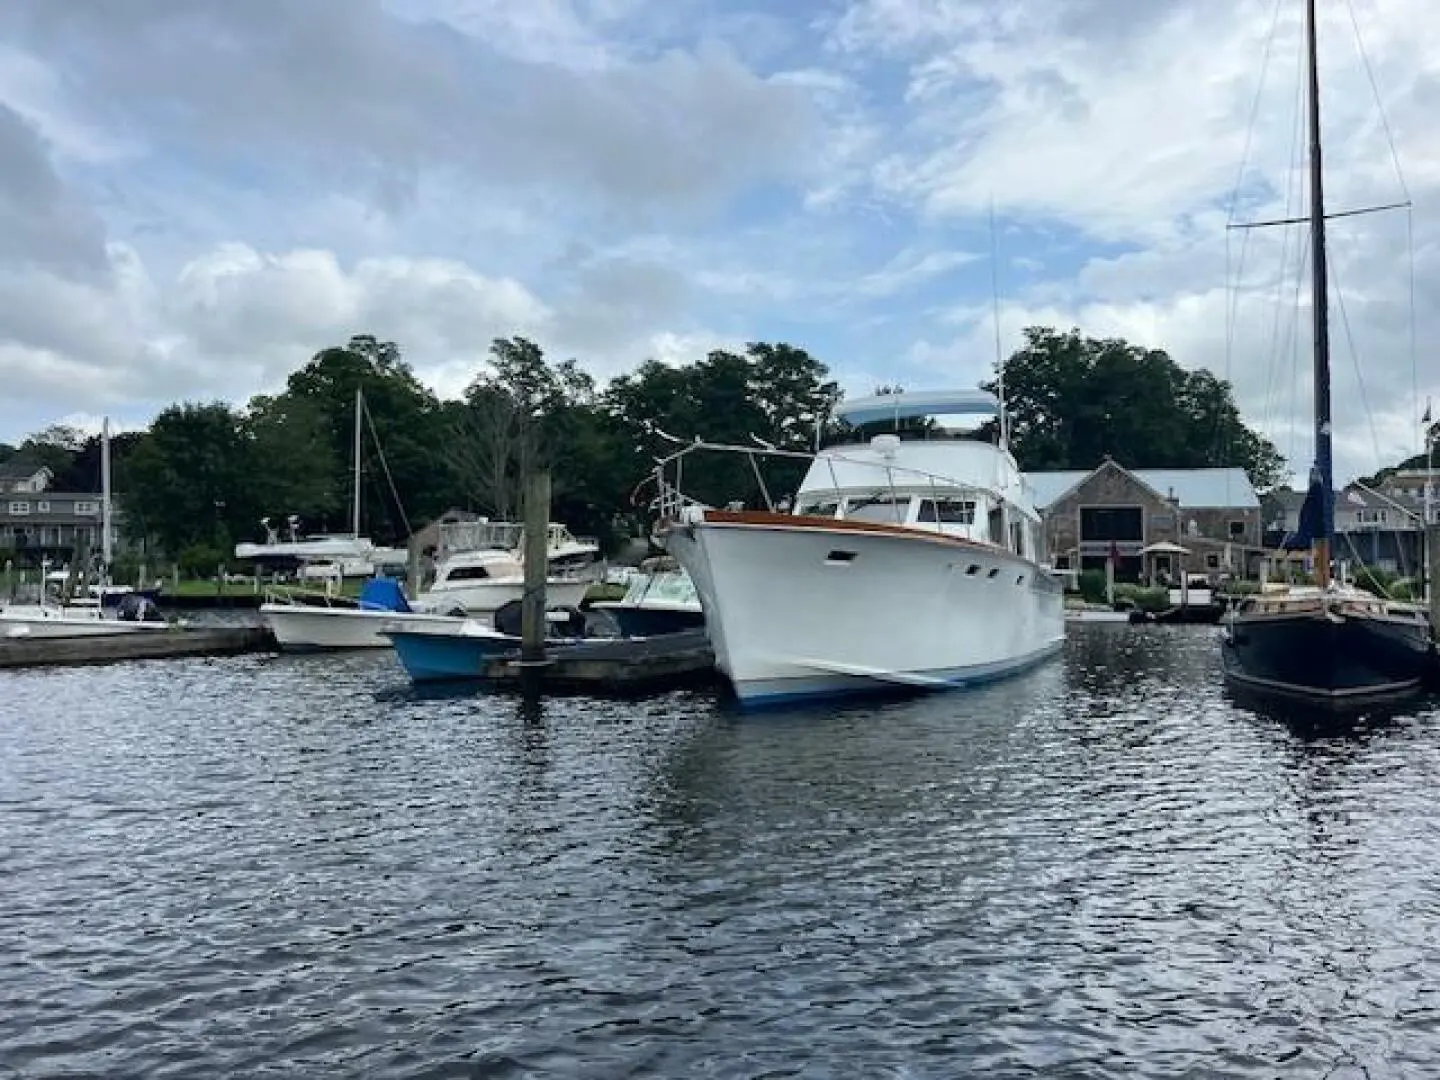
<point x="1213" y="513"/>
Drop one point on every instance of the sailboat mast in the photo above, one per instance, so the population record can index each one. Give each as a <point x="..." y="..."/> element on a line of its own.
<point x="355" y="511"/>
<point x="106" y="539"/>
<point x="1320" y="304"/>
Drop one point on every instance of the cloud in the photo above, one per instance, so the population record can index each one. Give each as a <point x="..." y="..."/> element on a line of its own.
<point x="341" y="89"/>
<point x="1125" y="124"/>
<point x="42" y="223"/>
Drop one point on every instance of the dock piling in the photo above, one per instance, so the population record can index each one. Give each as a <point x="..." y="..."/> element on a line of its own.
<point x="537" y="560"/>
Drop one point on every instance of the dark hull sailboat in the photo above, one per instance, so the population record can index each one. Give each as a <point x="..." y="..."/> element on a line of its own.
<point x="1329" y="646"/>
<point x="1336" y="652"/>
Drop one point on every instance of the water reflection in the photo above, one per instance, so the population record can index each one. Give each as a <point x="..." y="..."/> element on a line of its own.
<point x="1103" y="868"/>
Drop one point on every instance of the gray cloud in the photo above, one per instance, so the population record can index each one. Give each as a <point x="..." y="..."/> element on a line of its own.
<point x="42" y="223"/>
<point x="352" y="94"/>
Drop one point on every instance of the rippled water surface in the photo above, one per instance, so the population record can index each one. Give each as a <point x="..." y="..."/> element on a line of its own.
<point x="296" y="867"/>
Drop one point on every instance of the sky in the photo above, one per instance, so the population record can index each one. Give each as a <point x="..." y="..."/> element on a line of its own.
<point x="198" y="195"/>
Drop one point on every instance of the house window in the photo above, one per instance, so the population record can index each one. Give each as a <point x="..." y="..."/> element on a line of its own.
<point x="85" y="508"/>
<point x="1237" y="528"/>
<point x="43" y="506"/>
<point x="18" y="508"/>
<point x="1121" y="523"/>
<point x="1370" y="517"/>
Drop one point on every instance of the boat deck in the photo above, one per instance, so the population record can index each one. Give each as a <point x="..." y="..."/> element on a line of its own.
<point x="611" y="665"/>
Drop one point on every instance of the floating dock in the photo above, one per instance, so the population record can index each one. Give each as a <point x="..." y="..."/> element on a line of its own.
<point x="109" y="648"/>
<point x="611" y="665"/>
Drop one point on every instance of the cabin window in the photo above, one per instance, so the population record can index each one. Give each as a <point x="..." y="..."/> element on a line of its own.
<point x="840" y="558"/>
<point x="948" y="511"/>
<point x="467" y="573"/>
<point x="824" y="508"/>
<point x="1017" y="537"/>
<point x="885" y="509"/>
<point x="997" y="526"/>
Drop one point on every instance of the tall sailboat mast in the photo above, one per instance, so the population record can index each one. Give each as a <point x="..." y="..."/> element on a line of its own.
<point x="355" y="512"/>
<point x="106" y="530"/>
<point x="1320" y="303"/>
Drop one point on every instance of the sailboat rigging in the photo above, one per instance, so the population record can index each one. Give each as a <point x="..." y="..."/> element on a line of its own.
<point x="1328" y="645"/>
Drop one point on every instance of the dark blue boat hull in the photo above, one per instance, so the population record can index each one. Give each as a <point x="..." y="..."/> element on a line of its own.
<point x="1313" y="658"/>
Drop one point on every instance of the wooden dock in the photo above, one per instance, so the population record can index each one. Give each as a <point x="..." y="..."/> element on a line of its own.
<point x="612" y="666"/>
<point x="166" y="645"/>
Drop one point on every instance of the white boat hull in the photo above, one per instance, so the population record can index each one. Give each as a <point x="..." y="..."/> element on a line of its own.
<point x="36" y="622"/>
<point x="799" y="612"/>
<point x="303" y="627"/>
<point x="482" y="598"/>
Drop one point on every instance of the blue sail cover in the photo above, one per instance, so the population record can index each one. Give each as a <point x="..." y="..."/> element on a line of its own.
<point x="1312" y="518"/>
<point x="383" y="594"/>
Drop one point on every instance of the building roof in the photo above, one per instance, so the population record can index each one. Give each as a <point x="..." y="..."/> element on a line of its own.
<point x="1197" y="489"/>
<point x="19" y="469"/>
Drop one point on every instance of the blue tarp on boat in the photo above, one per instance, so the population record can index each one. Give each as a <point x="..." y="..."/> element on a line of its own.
<point x="383" y="594"/>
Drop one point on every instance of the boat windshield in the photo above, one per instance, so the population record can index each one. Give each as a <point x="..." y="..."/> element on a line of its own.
<point x="886" y="509"/>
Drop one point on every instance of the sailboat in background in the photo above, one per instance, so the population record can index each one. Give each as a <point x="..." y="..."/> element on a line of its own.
<point x="352" y="555"/>
<point x="134" y="613"/>
<point x="1329" y="645"/>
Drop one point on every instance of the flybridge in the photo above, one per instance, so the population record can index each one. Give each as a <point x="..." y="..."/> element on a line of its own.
<point x="909" y="406"/>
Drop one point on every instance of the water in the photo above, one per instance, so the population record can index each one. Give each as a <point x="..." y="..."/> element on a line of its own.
<point x="295" y="867"/>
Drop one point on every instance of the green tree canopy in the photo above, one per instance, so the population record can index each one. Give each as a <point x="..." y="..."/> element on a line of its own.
<point x="193" y="480"/>
<point x="1072" y="400"/>
<point x="407" y="436"/>
<point x="774" y="392"/>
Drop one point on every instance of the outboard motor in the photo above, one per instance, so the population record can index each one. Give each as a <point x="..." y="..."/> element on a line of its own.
<point x="131" y="608"/>
<point x="507" y="620"/>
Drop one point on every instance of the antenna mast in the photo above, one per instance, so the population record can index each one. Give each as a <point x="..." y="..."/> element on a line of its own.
<point x="995" y="313"/>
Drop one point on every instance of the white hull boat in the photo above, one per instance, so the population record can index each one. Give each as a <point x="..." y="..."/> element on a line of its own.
<point x="304" y="627"/>
<point x="904" y="566"/>
<point x="481" y="599"/>
<point x="46" y="621"/>
<point x="481" y="582"/>
<point x="915" y="617"/>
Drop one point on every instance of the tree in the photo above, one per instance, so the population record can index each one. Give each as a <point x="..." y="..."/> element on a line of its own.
<point x="82" y="472"/>
<point x="406" y="420"/>
<point x="293" y="437"/>
<point x="1072" y="400"/>
<point x="523" y="412"/>
<point x="55" y="448"/>
<point x="193" y="480"/>
<point x="778" y="393"/>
